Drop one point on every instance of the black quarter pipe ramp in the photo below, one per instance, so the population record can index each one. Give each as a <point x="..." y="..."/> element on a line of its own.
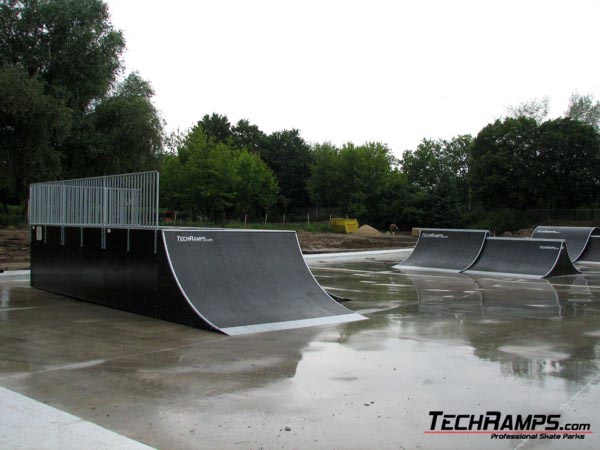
<point x="591" y="254"/>
<point x="445" y="250"/>
<point x="577" y="238"/>
<point x="232" y="281"/>
<point x="243" y="282"/>
<point x="528" y="258"/>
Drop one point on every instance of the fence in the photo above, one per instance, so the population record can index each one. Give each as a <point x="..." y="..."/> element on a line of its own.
<point x="128" y="201"/>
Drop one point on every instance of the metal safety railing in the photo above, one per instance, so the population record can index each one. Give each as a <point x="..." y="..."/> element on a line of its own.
<point x="128" y="200"/>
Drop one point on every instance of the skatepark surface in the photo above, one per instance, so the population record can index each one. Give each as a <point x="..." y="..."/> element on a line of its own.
<point x="434" y="341"/>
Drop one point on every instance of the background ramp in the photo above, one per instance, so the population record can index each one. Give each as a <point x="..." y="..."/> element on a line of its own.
<point x="577" y="238"/>
<point x="591" y="253"/>
<point x="531" y="258"/>
<point x="446" y="250"/>
<point x="249" y="281"/>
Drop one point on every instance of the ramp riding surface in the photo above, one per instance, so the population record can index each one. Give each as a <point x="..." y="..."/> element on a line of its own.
<point x="531" y="258"/>
<point x="445" y="250"/>
<point x="249" y="281"/>
<point x="577" y="238"/>
<point x="591" y="254"/>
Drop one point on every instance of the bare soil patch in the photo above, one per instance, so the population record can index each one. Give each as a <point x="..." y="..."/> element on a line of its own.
<point x="14" y="248"/>
<point x="333" y="242"/>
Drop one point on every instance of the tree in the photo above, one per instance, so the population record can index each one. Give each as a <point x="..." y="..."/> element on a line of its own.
<point x="32" y="125"/>
<point x="216" y="127"/>
<point x="569" y="154"/>
<point x="585" y="109"/>
<point x="440" y="165"/>
<point x="289" y="157"/>
<point x="536" y="109"/>
<point x="69" y="44"/>
<point x="248" y="136"/>
<point x="352" y="178"/>
<point x="257" y="187"/>
<point x="124" y="132"/>
<point x="325" y="182"/>
<point x="505" y="170"/>
<point x="215" y="178"/>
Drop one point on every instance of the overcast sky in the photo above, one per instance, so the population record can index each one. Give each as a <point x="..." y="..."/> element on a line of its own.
<point x="390" y="71"/>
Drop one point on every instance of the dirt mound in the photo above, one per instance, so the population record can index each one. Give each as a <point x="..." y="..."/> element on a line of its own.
<point x="367" y="230"/>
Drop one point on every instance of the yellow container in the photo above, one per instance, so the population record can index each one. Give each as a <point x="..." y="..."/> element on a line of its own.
<point x="344" y="225"/>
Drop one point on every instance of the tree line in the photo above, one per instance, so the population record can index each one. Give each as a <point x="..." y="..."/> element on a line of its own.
<point x="68" y="110"/>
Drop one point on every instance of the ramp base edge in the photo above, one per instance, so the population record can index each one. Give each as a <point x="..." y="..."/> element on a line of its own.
<point x="425" y="269"/>
<point x="290" y="324"/>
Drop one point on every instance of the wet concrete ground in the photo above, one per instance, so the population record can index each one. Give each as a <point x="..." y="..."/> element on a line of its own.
<point x="451" y="343"/>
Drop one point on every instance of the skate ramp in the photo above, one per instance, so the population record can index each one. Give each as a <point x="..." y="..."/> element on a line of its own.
<point x="525" y="258"/>
<point x="591" y="254"/>
<point x="445" y="250"/>
<point x="577" y="238"/>
<point x="243" y="282"/>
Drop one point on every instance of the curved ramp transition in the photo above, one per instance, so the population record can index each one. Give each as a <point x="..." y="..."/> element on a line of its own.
<point x="530" y="258"/>
<point x="577" y="238"/>
<point x="445" y="250"/>
<point x="591" y="254"/>
<point x="249" y="281"/>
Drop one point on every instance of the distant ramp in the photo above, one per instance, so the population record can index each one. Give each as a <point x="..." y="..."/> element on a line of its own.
<point x="529" y="258"/>
<point x="591" y="254"/>
<point x="243" y="282"/>
<point x="577" y="238"/>
<point x="445" y="250"/>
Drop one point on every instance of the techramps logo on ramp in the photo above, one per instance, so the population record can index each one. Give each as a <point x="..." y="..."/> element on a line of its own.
<point x="435" y="235"/>
<point x="548" y="247"/>
<point x="192" y="238"/>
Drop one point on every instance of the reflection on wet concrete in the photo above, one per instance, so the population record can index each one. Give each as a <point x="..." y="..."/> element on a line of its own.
<point x="432" y="342"/>
<point x="533" y="328"/>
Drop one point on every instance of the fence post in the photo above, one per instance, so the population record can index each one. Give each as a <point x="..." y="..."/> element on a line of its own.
<point x="245" y="220"/>
<point x="284" y="218"/>
<point x="308" y="218"/>
<point x="266" y="214"/>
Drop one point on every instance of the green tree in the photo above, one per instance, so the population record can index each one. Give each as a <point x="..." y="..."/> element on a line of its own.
<point x="441" y="166"/>
<point x="352" y="178"/>
<point x="257" y="187"/>
<point x="214" y="178"/>
<point x="289" y="157"/>
<point x="325" y="183"/>
<point x="505" y="169"/>
<point x="69" y="44"/>
<point x="248" y="136"/>
<point x="32" y="125"/>
<point x="569" y="154"/>
<point x="216" y="127"/>
<point x="123" y="132"/>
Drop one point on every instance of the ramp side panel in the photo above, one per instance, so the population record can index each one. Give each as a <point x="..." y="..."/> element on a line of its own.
<point x="531" y="258"/>
<point x="577" y="238"/>
<point x="237" y="279"/>
<point x="125" y="274"/>
<point x="448" y="250"/>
